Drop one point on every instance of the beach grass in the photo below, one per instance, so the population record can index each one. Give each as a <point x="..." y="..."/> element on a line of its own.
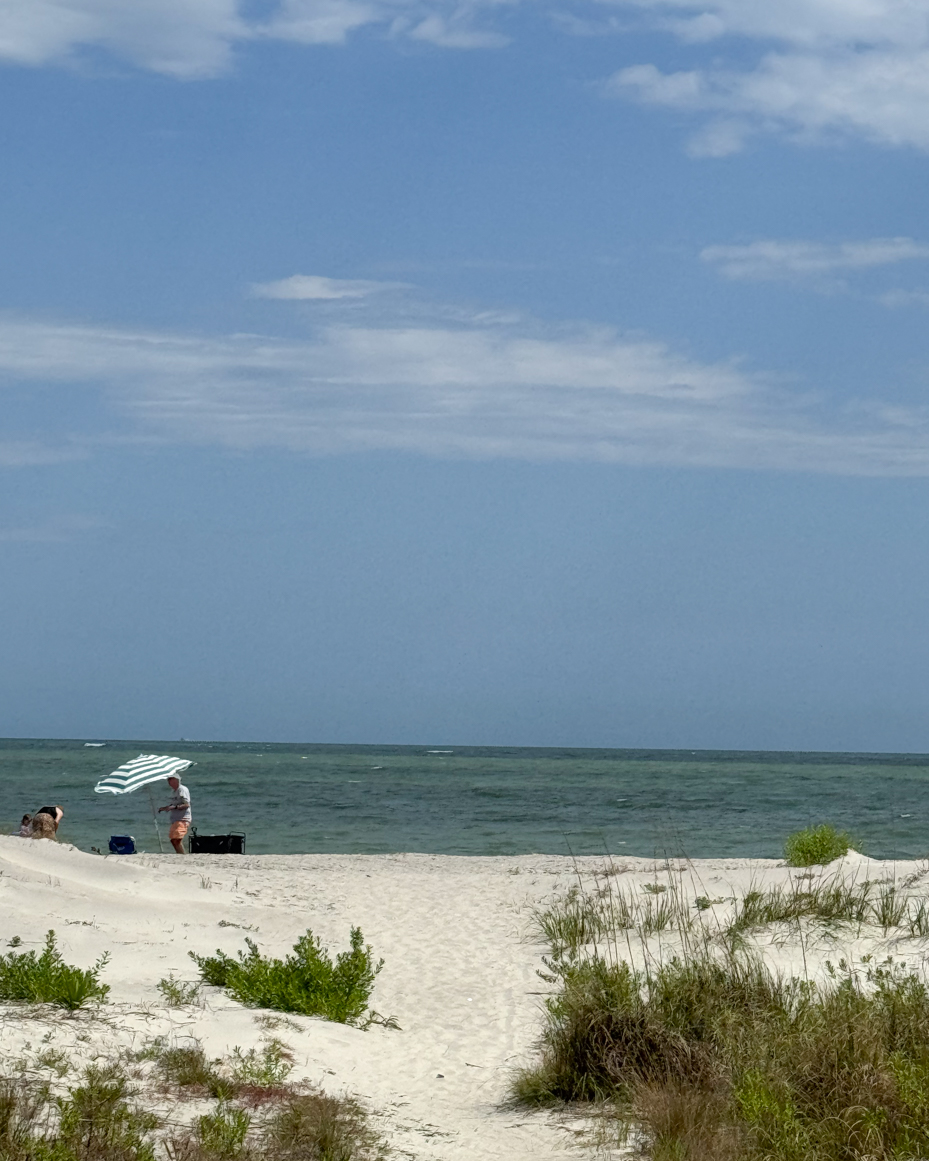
<point x="308" y="982"/>
<point x="32" y="977"/>
<point x="830" y="902"/>
<point x="580" y="918"/>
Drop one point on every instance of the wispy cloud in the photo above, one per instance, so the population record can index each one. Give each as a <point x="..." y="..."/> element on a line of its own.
<point x="27" y="453"/>
<point x="57" y="530"/>
<point x="316" y="287"/>
<point x="818" y="262"/>
<point x="902" y="298"/>
<point x="497" y="390"/>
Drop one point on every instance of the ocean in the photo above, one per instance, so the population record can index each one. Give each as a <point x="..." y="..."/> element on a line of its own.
<point x="470" y="800"/>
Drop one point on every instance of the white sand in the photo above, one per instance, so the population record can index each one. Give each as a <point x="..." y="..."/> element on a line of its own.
<point x="460" y="972"/>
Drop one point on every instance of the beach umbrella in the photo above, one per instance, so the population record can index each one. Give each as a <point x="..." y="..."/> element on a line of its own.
<point x="142" y="771"/>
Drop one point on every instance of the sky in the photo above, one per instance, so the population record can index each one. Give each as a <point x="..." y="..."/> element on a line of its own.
<point x="492" y="373"/>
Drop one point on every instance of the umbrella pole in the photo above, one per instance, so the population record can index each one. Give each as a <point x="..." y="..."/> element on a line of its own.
<point x="151" y="803"/>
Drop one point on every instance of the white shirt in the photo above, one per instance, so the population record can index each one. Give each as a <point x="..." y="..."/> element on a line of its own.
<point x="180" y="805"/>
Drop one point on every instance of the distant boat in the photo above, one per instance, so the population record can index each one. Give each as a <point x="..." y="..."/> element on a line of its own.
<point x="440" y="751"/>
<point x="95" y="744"/>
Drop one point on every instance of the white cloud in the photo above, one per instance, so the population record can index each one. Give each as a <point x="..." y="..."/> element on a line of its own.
<point x="820" y="68"/>
<point x="479" y="391"/>
<point x="191" y="39"/>
<point x="825" y="68"/>
<point x="805" y="24"/>
<point x="773" y="259"/>
<point x="182" y="38"/>
<point x="316" y="287"/>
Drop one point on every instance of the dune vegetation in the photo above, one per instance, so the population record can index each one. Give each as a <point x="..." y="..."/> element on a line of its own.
<point x="103" y="1114"/>
<point x="671" y="1016"/>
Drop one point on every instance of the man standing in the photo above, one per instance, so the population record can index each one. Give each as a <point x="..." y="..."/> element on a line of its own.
<point x="178" y="813"/>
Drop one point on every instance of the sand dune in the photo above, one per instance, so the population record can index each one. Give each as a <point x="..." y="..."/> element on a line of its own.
<point x="460" y="973"/>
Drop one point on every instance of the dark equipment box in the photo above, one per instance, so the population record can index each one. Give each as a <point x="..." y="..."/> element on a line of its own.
<point x="217" y="844"/>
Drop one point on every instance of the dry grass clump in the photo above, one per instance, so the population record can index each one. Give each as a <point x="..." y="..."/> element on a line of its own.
<point x="316" y="1127"/>
<point x="186" y="1070"/>
<point x="829" y="902"/>
<point x="710" y="1059"/>
<point x="252" y="1078"/>
<point x="309" y="1126"/>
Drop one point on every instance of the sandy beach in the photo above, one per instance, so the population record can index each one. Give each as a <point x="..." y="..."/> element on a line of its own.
<point x="460" y="974"/>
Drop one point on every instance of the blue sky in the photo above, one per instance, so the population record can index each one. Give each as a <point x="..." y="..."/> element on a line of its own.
<point x="484" y="373"/>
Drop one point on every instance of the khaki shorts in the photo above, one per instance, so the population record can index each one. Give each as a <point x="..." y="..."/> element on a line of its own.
<point x="177" y="830"/>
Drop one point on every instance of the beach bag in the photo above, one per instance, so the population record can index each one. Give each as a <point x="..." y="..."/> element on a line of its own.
<point x="217" y="844"/>
<point x="122" y="844"/>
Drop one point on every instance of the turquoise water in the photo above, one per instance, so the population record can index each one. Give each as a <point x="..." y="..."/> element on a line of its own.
<point x="485" y="801"/>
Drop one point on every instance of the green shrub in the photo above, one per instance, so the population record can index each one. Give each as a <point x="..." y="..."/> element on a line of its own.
<point x="44" y="978"/>
<point x="815" y="846"/>
<point x="307" y="981"/>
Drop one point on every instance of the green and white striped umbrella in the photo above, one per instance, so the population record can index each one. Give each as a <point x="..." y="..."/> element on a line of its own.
<point x="139" y="772"/>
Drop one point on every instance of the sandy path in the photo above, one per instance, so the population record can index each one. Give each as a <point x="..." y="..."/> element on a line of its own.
<point x="459" y="976"/>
